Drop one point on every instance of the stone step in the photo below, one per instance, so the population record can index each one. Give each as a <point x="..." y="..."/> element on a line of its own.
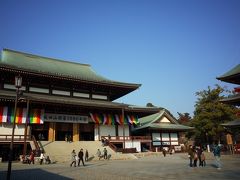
<point x="60" y="151"/>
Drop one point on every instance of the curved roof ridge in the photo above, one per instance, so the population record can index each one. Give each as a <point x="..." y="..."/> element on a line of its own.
<point x="44" y="57"/>
<point x="51" y="66"/>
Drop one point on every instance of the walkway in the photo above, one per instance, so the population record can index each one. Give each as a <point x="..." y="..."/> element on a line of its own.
<point x="148" y="167"/>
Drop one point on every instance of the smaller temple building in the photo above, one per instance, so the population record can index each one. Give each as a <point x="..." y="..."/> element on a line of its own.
<point x="163" y="129"/>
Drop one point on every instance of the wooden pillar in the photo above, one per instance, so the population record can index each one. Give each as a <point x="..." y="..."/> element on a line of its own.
<point x="75" y="132"/>
<point x="52" y="131"/>
<point x="123" y="128"/>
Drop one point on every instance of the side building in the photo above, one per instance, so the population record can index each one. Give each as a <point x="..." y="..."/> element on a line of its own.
<point x="163" y="130"/>
<point x="233" y="76"/>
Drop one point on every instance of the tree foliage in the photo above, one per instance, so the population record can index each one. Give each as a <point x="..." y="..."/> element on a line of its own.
<point x="210" y="113"/>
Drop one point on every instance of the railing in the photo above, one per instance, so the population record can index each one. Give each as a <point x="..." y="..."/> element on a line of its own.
<point x="5" y="137"/>
<point x="106" y="142"/>
<point x="112" y="146"/>
<point x="37" y="148"/>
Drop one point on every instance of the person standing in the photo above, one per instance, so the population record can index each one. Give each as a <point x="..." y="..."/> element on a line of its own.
<point x="105" y="153"/>
<point x="164" y="152"/>
<point x="73" y="158"/>
<point x="80" y="157"/>
<point x="42" y="157"/>
<point x="190" y="155"/>
<point x="217" y="155"/>
<point x="199" y="153"/>
<point x="31" y="158"/>
<point x="195" y="156"/>
<point x="86" y="155"/>
<point x="203" y="159"/>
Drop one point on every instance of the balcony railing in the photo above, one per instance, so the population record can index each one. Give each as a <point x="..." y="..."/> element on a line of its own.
<point x="5" y="137"/>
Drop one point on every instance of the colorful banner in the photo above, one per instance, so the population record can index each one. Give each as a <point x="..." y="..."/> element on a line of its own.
<point x="36" y="116"/>
<point x="110" y="119"/>
<point x="7" y="115"/>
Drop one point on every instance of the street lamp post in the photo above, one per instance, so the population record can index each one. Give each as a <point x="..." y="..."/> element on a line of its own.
<point x="25" y="134"/>
<point x="208" y="146"/>
<point x="18" y="85"/>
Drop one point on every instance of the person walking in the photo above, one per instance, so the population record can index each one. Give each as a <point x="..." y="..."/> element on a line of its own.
<point x="80" y="157"/>
<point x="105" y="153"/>
<point x="86" y="155"/>
<point x="98" y="154"/>
<point x="217" y="155"/>
<point x="73" y="158"/>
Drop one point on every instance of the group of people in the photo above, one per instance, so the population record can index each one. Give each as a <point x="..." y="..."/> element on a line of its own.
<point x="30" y="159"/>
<point x="44" y="158"/>
<point x="68" y="138"/>
<point x="76" y="159"/>
<point x="105" y="154"/>
<point x="196" y="154"/>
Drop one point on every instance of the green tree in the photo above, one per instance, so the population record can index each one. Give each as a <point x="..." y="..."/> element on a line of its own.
<point x="210" y="113"/>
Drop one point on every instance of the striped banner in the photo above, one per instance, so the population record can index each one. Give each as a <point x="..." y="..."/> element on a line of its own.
<point x="3" y="114"/>
<point x="110" y="119"/>
<point x="7" y="115"/>
<point x="36" y="116"/>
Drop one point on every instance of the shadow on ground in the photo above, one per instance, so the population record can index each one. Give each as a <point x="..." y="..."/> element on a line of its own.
<point x="29" y="174"/>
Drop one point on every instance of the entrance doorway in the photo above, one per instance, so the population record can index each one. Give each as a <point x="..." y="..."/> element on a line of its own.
<point x="64" y="130"/>
<point x="86" y="132"/>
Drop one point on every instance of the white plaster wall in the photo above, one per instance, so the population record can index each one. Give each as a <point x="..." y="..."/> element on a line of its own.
<point x="164" y="119"/>
<point x="7" y="129"/>
<point x="120" y="130"/>
<point x="106" y="130"/>
<point x="96" y="133"/>
<point x="133" y="144"/>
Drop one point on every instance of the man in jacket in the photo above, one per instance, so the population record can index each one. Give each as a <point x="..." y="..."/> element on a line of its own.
<point x="80" y="157"/>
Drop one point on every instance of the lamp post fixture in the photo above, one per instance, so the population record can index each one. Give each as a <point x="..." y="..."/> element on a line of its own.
<point x="18" y="85"/>
<point x="208" y="146"/>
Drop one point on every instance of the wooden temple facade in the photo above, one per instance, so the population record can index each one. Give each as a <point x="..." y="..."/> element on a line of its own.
<point x="62" y="99"/>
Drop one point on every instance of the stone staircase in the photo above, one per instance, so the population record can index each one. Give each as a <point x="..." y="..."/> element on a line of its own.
<point x="60" y="151"/>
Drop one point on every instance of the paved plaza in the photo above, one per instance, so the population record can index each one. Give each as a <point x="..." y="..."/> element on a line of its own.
<point x="149" y="167"/>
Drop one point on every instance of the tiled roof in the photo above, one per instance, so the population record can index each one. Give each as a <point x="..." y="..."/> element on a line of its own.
<point x="56" y="67"/>
<point x="234" y="100"/>
<point x="232" y="76"/>
<point x="232" y="123"/>
<point x="149" y="122"/>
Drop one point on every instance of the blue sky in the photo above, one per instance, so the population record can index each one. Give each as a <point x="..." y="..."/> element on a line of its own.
<point x="174" y="48"/>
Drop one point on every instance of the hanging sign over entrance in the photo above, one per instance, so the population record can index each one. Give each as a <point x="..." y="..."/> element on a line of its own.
<point x="65" y="118"/>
